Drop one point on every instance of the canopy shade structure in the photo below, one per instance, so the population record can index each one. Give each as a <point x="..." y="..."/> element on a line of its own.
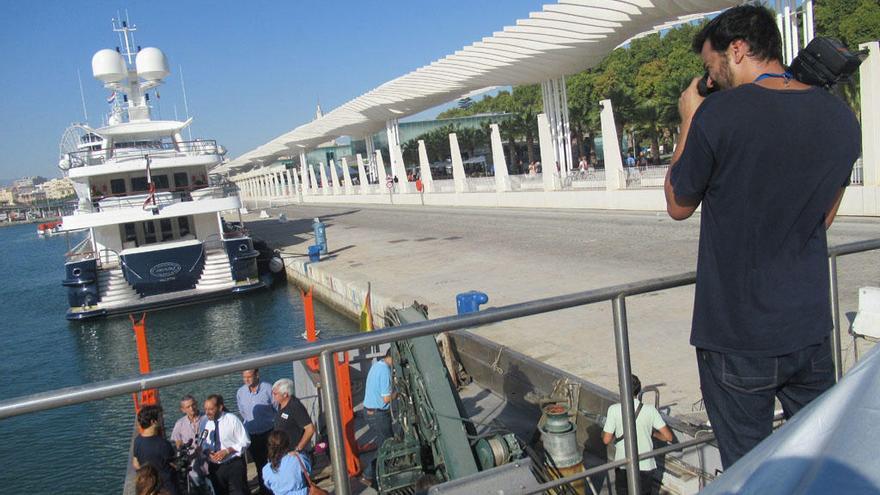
<point x="562" y="39"/>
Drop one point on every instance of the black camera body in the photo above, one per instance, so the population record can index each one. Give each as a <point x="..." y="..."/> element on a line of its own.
<point x="823" y="62"/>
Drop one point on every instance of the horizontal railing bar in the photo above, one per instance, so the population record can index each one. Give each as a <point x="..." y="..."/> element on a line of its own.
<point x="110" y="388"/>
<point x="854" y="247"/>
<point x="608" y="466"/>
<point x="102" y="390"/>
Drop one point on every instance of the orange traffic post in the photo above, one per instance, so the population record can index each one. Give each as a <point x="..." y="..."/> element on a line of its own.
<point x="311" y="331"/>
<point x="346" y="413"/>
<point x="151" y="396"/>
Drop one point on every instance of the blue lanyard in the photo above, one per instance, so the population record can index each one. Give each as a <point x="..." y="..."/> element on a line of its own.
<point x="785" y="75"/>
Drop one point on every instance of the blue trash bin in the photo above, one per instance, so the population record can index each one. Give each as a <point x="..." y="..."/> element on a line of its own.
<point x="314" y="253"/>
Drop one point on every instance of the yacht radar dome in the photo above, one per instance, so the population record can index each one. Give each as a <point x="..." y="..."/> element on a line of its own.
<point x="152" y="65"/>
<point x="108" y="66"/>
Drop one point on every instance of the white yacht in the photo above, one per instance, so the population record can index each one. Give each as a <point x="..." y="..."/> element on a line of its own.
<point x="156" y="237"/>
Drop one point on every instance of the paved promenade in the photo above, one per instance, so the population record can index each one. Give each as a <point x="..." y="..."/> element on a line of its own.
<point x="430" y="254"/>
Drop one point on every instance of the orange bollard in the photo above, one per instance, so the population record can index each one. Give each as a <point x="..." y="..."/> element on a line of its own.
<point x="346" y="413"/>
<point x="147" y="397"/>
<point x="311" y="332"/>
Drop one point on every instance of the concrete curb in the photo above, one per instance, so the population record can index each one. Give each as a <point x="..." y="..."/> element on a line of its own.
<point x="345" y="297"/>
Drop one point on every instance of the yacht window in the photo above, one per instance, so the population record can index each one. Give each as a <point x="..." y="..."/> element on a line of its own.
<point x="129" y="233"/>
<point x="181" y="180"/>
<point x="165" y="227"/>
<point x="183" y="225"/>
<point x="117" y="186"/>
<point x="139" y="184"/>
<point x="149" y="232"/>
<point x="161" y="181"/>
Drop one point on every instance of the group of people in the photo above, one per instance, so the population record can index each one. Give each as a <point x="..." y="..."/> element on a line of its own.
<point x="274" y="430"/>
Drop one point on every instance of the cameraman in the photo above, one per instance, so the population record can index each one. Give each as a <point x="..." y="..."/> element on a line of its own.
<point x="151" y="448"/>
<point x="768" y="159"/>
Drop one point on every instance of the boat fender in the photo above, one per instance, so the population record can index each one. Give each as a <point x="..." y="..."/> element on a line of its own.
<point x="276" y="264"/>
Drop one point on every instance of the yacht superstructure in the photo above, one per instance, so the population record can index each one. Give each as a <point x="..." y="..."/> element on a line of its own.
<point x="156" y="236"/>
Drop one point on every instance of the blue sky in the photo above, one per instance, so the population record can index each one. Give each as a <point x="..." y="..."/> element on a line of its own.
<point x="252" y="69"/>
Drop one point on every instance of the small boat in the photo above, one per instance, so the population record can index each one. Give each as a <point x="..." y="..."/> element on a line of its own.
<point x="49" y="228"/>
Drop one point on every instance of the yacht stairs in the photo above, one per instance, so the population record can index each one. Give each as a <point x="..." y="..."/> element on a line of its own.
<point x="217" y="273"/>
<point x="113" y="289"/>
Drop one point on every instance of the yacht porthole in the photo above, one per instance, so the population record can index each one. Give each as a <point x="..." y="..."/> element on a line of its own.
<point x="242" y="247"/>
<point x="76" y="272"/>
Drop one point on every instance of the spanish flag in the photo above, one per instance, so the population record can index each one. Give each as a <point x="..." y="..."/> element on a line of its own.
<point x="367" y="313"/>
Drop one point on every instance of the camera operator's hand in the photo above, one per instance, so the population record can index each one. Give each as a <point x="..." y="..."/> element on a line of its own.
<point x="689" y="101"/>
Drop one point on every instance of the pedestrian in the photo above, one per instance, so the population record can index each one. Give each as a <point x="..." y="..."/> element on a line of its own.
<point x="377" y="407"/>
<point x="649" y="424"/>
<point x="187" y="430"/>
<point x="254" y="400"/>
<point x="224" y="444"/>
<point x="292" y="418"/>
<point x="151" y="448"/>
<point x="285" y="473"/>
<point x="768" y="158"/>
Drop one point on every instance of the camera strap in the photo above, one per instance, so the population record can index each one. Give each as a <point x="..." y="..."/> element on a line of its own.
<point x="784" y="75"/>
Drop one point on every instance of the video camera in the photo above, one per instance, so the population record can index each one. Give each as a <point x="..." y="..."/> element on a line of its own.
<point x="823" y="62"/>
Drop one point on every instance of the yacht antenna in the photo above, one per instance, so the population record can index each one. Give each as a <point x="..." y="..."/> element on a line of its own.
<point x="126" y="35"/>
<point x="185" y="105"/>
<point x="82" y="96"/>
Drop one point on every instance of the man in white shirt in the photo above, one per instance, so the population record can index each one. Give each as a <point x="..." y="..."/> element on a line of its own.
<point x="226" y="440"/>
<point x="648" y="424"/>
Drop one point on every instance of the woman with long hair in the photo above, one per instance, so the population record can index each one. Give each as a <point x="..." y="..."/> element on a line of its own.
<point x="283" y="474"/>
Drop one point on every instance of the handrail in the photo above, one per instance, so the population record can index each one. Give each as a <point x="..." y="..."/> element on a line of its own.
<point x="616" y="294"/>
<point x="207" y="369"/>
<point x="87" y="157"/>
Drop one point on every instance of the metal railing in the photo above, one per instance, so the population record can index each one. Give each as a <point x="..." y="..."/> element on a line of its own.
<point x="85" y="158"/>
<point x="616" y="294"/>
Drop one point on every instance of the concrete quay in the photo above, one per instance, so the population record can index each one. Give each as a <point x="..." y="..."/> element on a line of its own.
<point x="430" y="254"/>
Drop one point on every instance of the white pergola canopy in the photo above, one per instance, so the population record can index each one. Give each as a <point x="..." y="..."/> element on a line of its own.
<point x="562" y="39"/>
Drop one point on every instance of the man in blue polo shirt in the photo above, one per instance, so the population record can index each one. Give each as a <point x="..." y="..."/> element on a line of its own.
<point x="768" y="158"/>
<point x="254" y="400"/>
<point x="377" y="406"/>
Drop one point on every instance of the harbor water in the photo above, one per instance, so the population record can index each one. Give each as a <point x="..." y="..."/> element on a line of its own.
<point x="83" y="449"/>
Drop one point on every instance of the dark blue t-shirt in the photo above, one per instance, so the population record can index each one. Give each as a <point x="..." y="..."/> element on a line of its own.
<point x="767" y="165"/>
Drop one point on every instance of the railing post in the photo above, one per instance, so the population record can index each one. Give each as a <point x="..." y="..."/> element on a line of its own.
<point x="334" y="425"/>
<point x="624" y="373"/>
<point x="836" y="352"/>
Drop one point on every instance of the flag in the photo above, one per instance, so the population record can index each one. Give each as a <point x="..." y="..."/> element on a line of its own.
<point x="112" y="97"/>
<point x="367" y="313"/>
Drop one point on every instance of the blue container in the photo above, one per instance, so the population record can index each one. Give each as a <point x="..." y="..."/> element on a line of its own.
<point x="469" y="302"/>
<point x="315" y="253"/>
<point x="320" y="231"/>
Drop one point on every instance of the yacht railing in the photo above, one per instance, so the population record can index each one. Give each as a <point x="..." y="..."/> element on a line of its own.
<point x="85" y="158"/>
<point x="616" y="295"/>
<point x="165" y="198"/>
<point x="82" y="251"/>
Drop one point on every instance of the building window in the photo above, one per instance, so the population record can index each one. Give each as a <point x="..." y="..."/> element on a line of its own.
<point x="183" y="226"/>
<point x="129" y="232"/>
<point x="161" y="181"/>
<point x="117" y="186"/>
<point x="149" y="232"/>
<point x="165" y="227"/>
<point x="139" y="184"/>
<point x="181" y="180"/>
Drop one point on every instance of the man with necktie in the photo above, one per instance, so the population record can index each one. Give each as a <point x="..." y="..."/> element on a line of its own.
<point x="225" y="442"/>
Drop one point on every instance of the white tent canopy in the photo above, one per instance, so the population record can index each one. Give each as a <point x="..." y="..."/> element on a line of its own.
<point x="561" y="39"/>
